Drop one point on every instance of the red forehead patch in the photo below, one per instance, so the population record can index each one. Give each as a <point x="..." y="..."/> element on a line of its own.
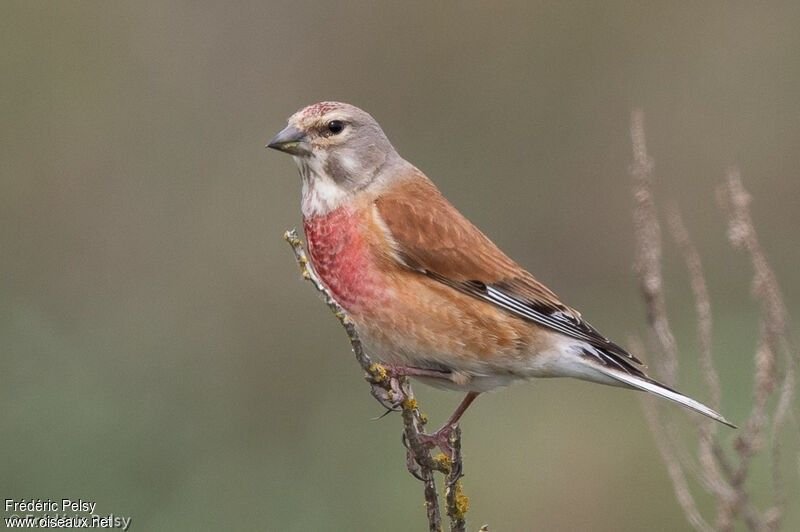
<point x="319" y="109"/>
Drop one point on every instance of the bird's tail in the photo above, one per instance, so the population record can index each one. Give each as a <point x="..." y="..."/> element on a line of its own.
<point x="645" y="383"/>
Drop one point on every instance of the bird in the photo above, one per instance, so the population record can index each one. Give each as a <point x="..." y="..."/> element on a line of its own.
<point x="429" y="294"/>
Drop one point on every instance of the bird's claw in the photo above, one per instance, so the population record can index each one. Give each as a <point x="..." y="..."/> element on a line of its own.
<point x="439" y="439"/>
<point x="413" y="466"/>
<point x="411" y="461"/>
<point x="456" y="473"/>
<point x="391" y="397"/>
<point x="389" y="389"/>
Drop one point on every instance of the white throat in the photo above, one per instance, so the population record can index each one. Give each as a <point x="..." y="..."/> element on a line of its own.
<point x="320" y="194"/>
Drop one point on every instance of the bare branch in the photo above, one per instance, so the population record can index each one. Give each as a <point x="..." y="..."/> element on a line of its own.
<point x="648" y="269"/>
<point x="457" y="502"/>
<point x="712" y="475"/>
<point x="773" y="340"/>
<point x="694" y="266"/>
<point x="726" y="478"/>
<point x="648" y="250"/>
<point x="668" y="454"/>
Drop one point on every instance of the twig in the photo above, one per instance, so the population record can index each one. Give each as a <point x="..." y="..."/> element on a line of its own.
<point x="694" y="266"/>
<point x="666" y="448"/>
<point x="724" y="476"/>
<point x="457" y="502"/>
<point x="648" y="246"/>
<point x="648" y="269"/>
<point x="420" y="462"/>
<point x="709" y="456"/>
<point x="773" y="340"/>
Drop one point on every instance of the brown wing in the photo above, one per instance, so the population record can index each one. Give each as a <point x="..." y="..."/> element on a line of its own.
<point x="433" y="238"/>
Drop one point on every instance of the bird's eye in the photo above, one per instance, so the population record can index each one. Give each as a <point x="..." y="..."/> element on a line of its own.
<point x="335" y="127"/>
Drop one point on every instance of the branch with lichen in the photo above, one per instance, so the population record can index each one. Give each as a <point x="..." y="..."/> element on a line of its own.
<point x="722" y="473"/>
<point x="419" y="459"/>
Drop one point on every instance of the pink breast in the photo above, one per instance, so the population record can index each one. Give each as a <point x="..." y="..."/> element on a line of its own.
<point x="342" y="258"/>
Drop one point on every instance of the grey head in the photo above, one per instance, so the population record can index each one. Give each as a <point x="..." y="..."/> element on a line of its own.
<point x="337" y="145"/>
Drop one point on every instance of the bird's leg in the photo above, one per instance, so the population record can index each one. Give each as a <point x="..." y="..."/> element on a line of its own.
<point x="441" y="438"/>
<point x="392" y="397"/>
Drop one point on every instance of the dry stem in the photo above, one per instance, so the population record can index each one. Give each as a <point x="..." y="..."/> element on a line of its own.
<point x="724" y="477"/>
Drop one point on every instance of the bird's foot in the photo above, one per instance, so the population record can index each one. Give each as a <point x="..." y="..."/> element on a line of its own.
<point x="411" y="461"/>
<point x="389" y="393"/>
<point x="388" y="386"/>
<point x="447" y="462"/>
<point x="442" y="439"/>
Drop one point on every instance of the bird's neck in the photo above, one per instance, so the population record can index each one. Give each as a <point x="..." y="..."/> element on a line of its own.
<point x="324" y="192"/>
<point x="322" y="196"/>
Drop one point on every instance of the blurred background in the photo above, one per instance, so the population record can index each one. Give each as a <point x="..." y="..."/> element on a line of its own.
<point x="160" y="354"/>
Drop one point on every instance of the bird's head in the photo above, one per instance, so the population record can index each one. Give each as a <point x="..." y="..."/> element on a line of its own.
<point x="339" y="149"/>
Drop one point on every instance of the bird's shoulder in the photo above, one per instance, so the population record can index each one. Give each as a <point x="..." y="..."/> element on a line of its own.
<point x="429" y="234"/>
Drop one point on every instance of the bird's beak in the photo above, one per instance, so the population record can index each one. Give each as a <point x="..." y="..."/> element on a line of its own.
<point x="290" y="140"/>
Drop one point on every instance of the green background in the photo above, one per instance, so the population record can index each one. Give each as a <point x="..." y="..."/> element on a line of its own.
<point x="160" y="354"/>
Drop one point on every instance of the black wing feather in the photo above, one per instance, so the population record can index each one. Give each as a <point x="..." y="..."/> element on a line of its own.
<point x="553" y="318"/>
